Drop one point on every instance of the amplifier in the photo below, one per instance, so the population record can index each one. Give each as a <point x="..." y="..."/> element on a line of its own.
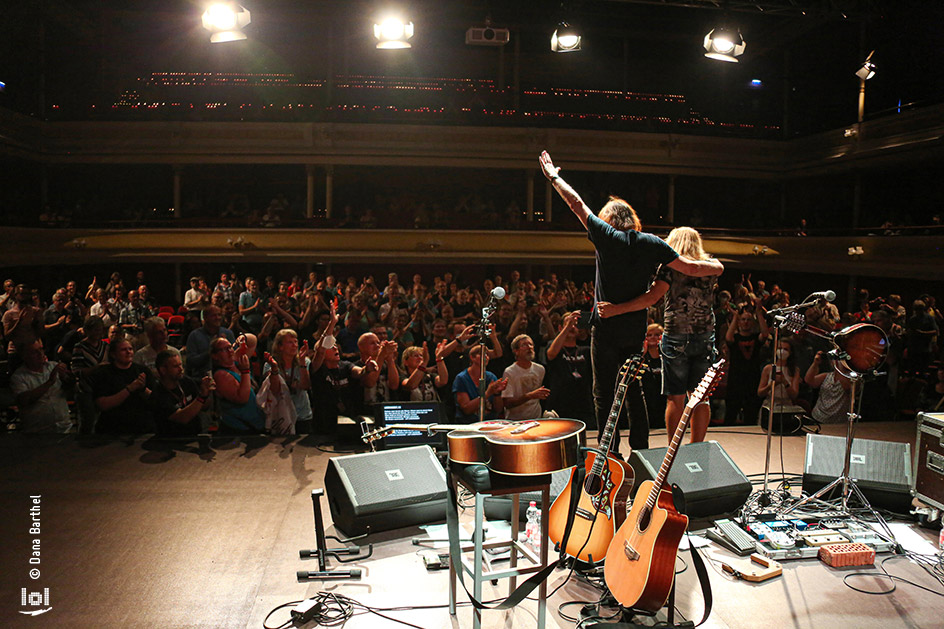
<point x="709" y="480"/>
<point x="881" y="469"/>
<point x="929" y="460"/>
<point x="385" y="490"/>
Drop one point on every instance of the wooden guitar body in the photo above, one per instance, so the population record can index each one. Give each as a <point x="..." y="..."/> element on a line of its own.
<point x="600" y="510"/>
<point x="518" y="448"/>
<point x="640" y="563"/>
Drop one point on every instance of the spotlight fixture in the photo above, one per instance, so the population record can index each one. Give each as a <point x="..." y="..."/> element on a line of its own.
<point x="226" y="21"/>
<point x="393" y="33"/>
<point x="867" y="70"/>
<point x="724" y="44"/>
<point x="565" y="39"/>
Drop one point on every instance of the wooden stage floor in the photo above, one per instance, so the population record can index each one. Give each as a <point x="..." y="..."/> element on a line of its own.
<point x="132" y="535"/>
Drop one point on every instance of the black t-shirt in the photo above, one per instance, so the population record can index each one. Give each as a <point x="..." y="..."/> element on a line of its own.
<point x="744" y="354"/>
<point x="570" y="380"/>
<point x="165" y="403"/>
<point x="626" y="262"/>
<point x="134" y="414"/>
<point x="335" y="392"/>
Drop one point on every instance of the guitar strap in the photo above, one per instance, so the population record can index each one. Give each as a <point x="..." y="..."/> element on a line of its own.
<point x="702" y="573"/>
<point x="523" y="590"/>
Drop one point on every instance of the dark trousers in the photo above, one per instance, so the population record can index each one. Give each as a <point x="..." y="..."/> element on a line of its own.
<point x="607" y="357"/>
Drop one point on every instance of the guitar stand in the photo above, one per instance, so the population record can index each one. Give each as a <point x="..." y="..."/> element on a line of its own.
<point x="629" y="613"/>
<point x="322" y="552"/>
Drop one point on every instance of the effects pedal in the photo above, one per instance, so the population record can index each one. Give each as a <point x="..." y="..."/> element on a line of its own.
<point x="731" y="536"/>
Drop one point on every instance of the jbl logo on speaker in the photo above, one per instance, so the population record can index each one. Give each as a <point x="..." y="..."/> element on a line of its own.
<point x="393" y="475"/>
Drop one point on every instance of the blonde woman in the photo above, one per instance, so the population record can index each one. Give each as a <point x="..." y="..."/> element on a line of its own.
<point x="292" y="363"/>
<point x="688" y="343"/>
<point x="416" y="381"/>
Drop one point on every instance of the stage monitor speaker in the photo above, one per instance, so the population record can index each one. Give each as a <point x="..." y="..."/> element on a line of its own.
<point x="881" y="469"/>
<point x="709" y="480"/>
<point x="385" y="490"/>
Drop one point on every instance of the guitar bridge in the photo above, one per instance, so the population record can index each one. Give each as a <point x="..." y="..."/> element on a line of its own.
<point x="631" y="553"/>
<point x="524" y="427"/>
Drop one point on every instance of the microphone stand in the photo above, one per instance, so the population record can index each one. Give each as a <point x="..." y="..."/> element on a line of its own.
<point x="482" y="334"/>
<point x="780" y="318"/>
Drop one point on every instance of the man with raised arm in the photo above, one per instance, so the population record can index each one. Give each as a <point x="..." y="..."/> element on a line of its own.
<point x="626" y="261"/>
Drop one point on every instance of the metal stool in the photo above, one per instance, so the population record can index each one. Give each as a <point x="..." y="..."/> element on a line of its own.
<point x="482" y="483"/>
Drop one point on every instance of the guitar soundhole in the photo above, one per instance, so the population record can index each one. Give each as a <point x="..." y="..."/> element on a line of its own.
<point x="593" y="485"/>
<point x="644" y="518"/>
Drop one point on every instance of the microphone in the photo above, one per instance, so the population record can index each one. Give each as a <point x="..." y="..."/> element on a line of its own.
<point x="828" y="295"/>
<point x="497" y="294"/>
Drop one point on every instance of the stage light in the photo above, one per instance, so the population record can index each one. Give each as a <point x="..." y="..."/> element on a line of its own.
<point x="565" y="39"/>
<point x="225" y="20"/>
<point x="393" y="33"/>
<point x="724" y="44"/>
<point x="867" y="70"/>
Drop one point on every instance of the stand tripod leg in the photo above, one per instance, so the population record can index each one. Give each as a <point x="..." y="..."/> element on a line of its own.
<point x="322" y="552"/>
<point x="822" y="492"/>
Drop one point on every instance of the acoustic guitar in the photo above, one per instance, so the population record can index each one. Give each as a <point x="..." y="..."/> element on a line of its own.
<point x="524" y="448"/>
<point x="602" y="504"/>
<point x="640" y="563"/>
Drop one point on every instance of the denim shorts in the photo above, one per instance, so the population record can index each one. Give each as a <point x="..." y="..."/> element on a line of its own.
<point x="685" y="360"/>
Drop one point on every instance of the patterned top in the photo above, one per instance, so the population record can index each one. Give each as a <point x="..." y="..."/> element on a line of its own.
<point x="688" y="302"/>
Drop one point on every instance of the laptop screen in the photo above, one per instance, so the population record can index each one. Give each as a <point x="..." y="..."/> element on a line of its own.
<point x="389" y="414"/>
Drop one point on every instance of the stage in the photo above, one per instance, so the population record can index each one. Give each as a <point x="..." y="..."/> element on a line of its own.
<point x="131" y="533"/>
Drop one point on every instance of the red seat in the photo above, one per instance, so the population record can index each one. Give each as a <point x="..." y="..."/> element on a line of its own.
<point x="167" y="309"/>
<point x="182" y="310"/>
<point x="175" y="331"/>
<point x="165" y="315"/>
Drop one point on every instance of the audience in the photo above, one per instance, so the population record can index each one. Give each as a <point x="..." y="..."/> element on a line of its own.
<point x="414" y="342"/>
<point x="40" y="392"/>
<point x="178" y="400"/>
<point x="239" y="413"/>
<point x="121" y="390"/>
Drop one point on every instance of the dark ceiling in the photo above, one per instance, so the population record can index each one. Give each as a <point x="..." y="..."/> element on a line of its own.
<point x="81" y="52"/>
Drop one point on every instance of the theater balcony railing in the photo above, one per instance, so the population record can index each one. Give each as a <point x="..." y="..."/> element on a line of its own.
<point x="904" y="256"/>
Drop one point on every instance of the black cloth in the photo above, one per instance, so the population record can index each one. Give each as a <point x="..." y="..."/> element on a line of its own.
<point x="744" y="369"/>
<point x="165" y="403"/>
<point x="607" y="358"/>
<point x="652" y="388"/>
<point x="134" y="414"/>
<point x="335" y="392"/>
<point x="570" y="380"/>
<point x="626" y="262"/>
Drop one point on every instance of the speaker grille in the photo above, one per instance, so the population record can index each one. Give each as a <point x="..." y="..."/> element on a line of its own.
<point x="392" y="478"/>
<point x="882" y="464"/>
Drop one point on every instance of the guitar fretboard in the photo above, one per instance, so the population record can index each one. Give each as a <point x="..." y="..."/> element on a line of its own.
<point x="627" y="372"/>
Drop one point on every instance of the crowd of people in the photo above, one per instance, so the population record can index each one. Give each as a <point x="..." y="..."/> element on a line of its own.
<point x="255" y="355"/>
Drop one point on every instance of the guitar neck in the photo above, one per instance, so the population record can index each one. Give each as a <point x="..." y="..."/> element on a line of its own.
<point x="659" y="481"/>
<point x="428" y="427"/>
<point x="611" y="422"/>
